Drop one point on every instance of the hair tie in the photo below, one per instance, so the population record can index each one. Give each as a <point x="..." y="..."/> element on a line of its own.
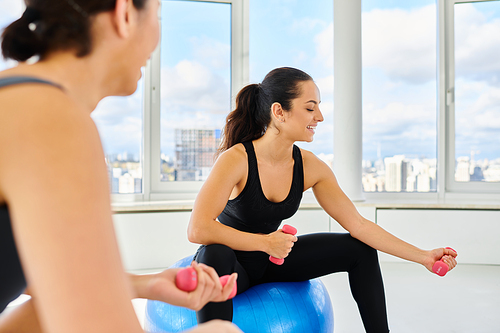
<point x="257" y="88"/>
<point x="31" y="15"/>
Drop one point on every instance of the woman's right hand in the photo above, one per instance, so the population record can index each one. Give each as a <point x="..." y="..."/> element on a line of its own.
<point x="216" y="326"/>
<point x="279" y="244"/>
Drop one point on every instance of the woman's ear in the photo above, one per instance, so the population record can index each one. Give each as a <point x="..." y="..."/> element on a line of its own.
<point x="121" y="16"/>
<point x="278" y="112"/>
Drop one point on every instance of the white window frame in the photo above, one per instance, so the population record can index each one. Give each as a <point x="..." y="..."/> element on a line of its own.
<point x="446" y="104"/>
<point x="154" y="188"/>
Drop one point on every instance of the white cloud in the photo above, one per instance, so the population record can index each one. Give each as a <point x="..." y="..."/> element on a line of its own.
<point x="325" y="86"/>
<point x="402" y="43"/>
<point x="477" y="108"/>
<point x="211" y="52"/>
<point x="399" y="121"/>
<point x="306" y="24"/>
<point x="193" y="85"/>
<point x="119" y="120"/>
<point x="324" y="46"/>
<point x="477" y="44"/>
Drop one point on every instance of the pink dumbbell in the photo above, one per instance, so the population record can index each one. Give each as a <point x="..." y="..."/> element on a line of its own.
<point x="186" y="279"/>
<point x="440" y="267"/>
<point x="287" y="229"/>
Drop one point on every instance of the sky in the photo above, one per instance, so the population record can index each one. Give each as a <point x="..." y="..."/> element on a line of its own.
<point x="399" y="72"/>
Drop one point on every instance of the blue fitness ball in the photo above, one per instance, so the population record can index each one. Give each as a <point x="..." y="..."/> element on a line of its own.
<point x="277" y="307"/>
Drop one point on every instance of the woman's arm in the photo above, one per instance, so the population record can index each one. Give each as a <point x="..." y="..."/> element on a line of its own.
<point x="228" y="173"/>
<point x="334" y="201"/>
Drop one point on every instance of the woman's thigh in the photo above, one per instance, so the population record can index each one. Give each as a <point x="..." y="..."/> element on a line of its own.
<point x="316" y="255"/>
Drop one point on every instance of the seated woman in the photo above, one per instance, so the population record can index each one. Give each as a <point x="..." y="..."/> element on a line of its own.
<point x="56" y="230"/>
<point x="258" y="181"/>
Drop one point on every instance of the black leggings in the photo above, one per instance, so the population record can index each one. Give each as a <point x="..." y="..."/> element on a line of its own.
<point x="312" y="256"/>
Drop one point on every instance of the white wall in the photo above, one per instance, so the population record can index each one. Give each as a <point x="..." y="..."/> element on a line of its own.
<point x="153" y="240"/>
<point x="474" y="234"/>
<point x="157" y="240"/>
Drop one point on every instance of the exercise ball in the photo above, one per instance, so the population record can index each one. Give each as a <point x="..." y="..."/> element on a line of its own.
<point x="276" y="307"/>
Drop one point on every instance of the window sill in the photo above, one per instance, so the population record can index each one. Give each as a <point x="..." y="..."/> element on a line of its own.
<point x="309" y="202"/>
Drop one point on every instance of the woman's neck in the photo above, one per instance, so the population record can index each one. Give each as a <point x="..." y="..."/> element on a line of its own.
<point x="274" y="149"/>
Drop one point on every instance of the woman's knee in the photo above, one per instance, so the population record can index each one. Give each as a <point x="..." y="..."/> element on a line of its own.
<point x="218" y="256"/>
<point x="362" y="250"/>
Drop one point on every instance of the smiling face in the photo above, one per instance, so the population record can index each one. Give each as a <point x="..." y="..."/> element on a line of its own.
<point x="299" y="123"/>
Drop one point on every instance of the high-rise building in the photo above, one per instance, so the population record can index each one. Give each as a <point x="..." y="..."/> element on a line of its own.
<point x="395" y="173"/>
<point x="194" y="151"/>
<point x="462" y="173"/>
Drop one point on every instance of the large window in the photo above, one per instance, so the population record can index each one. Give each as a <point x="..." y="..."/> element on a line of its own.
<point x="195" y="86"/>
<point x="197" y="69"/>
<point x="399" y="96"/>
<point x="297" y="34"/>
<point x="470" y="85"/>
<point x="477" y="91"/>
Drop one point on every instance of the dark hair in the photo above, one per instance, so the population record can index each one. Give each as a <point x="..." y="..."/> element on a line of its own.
<point x="52" y="25"/>
<point x="252" y="115"/>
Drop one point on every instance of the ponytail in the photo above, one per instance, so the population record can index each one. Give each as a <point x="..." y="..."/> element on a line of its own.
<point x="19" y="40"/>
<point x="252" y="116"/>
<point x="247" y="121"/>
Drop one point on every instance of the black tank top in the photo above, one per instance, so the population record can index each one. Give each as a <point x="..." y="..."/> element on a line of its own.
<point x="251" y="211"/>
<point x="12" y="280"/>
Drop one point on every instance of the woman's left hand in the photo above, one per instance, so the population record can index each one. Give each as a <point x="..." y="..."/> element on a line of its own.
<point x="447" y="255"/>
<point x="161" y="287"/>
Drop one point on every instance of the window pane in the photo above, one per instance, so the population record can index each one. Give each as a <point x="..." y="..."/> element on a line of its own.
<point x="477" y="91"/>
<point x="297" y="34"/>
<point x="195" y="86"/>
<point x="399" y="96"/>
<point x="119" y="120"/>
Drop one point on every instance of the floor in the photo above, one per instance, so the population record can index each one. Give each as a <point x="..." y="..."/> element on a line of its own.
<point x="467" y="300"/>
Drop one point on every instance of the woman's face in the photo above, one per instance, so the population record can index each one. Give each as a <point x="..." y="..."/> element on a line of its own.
<point x="301" y="120"/>
<point x="145" y="38"/>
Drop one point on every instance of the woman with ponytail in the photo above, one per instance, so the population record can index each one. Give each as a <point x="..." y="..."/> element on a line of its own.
<point x="258" y="181"/>
<point x="57" y="240"/>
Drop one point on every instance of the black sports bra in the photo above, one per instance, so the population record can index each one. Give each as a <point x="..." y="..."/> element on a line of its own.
<point x="251" y="211"/>
<point x="12" y="280"/>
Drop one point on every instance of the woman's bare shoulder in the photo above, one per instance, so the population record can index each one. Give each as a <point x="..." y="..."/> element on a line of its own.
<point x="236" y="154"/>
<point x="315" y="170"/>
<point x="310" y="159"/>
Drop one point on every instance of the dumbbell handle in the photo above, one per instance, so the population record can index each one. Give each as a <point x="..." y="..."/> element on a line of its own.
<point x="287" y="229"/>
<point x="186" y="279"/>
<point x="440" y="267"/>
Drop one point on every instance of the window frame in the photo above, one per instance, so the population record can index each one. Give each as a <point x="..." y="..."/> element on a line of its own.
<point x="446" y="103"/>
<point x="154" y="188"/>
